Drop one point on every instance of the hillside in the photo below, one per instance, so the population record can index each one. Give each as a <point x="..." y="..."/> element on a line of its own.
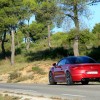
<point x="34" y="72"/>
<point x="32" y="66"/>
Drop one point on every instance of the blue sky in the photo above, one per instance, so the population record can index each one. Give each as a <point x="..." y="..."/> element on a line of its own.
<point x="88" y="23"/>
<point x="95" y="17"/>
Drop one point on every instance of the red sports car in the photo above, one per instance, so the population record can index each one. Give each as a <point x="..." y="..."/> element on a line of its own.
<point x="74" y="69"/>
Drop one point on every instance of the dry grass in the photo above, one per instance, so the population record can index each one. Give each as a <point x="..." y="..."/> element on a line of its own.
<point x="4" y="95"/>
<point x="56" y="98"/>
<point x="27" y="72"/>
<point x="7" y="97"/>
<point x="6" y="67"/>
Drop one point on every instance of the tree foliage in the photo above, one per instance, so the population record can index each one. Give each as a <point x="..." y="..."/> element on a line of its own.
<point x="15" y="13"/>
<point x="38" y="31"/>
<point x="11" y="13"/>
<point x="96" y="28"/>
<point x="85" y="36"/>
<point x="96" y="32"/>
<point x="46" y="11"/>
<point x="74" y="10"/>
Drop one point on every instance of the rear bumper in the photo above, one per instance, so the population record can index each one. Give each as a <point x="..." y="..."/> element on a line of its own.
<point x="91" y="79"/>
<point x="83" y="77"/>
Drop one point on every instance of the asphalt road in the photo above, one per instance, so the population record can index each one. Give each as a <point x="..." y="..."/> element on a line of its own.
<point x="74" y="92"/>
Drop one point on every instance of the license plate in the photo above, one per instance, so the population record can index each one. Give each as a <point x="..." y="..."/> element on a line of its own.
<point x="92" y="72"/>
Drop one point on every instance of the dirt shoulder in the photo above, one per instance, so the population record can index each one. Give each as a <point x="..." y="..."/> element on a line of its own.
<point x="20" y="96"/>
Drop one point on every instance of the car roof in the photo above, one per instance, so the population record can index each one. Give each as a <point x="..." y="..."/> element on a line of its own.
<point x="77" y="57"/>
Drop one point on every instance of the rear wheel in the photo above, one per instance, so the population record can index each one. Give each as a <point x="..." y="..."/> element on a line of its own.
<point x="69" y="80"/>
<point x="51" y="79"/>
<point x="85" y="82"/>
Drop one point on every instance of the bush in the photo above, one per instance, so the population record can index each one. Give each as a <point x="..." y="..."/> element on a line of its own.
<point x="14" y="75"/>
<point x="53" y="53"/>
<point x="18" y="51"/>
<point x="38" y="70"/>
<point x="23" y="78"/>
<point x="95" y="53"/>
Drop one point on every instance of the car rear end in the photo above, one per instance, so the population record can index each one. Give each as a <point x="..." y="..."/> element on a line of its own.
<point x="82" y="72"/>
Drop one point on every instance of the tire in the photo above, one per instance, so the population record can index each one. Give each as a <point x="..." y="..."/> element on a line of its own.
<point x="84" y="82"/>
<point x="51" y="79"/>
<point x="69" y="80"/>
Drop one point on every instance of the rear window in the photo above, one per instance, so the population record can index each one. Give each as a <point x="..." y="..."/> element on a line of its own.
<point x="72" y="60"/>
<point x="79" y="60"/>
<point x="85" y="60"/>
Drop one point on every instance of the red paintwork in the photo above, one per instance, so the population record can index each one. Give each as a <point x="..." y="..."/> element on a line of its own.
<point x="77" y="71"/>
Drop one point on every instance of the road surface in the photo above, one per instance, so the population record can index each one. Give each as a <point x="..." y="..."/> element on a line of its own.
<point x="74" y="92"/>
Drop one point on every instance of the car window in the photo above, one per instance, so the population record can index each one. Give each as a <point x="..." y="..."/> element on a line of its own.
<point x="85" y="60"/>
<point x="72" y="60"/>
<point x="61" y="62"/>
<point x="79" y="60"/>
<point x="67" y="61"/>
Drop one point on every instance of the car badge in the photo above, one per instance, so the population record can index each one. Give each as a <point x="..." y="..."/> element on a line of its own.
<point x="91" y="67"/>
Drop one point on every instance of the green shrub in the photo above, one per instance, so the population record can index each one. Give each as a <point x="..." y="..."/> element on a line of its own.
<point x="53" y="53"/>
<point x="18" y="51"/>
<point x="38" y="70"/>
<point x="7" y="97"/>
<point x="14" y="75"/>
<point x="20" y="58"/>
<point x="95" y="53"/>
<point x="23" y="78"/>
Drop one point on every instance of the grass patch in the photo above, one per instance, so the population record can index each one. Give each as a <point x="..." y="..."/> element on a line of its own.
<point x="38" y="70"/>
<point x="6" y="97"/>
<point x="23" y="78"/>
<point x="11" y="74"/>
<point x="17" y="77"/>
<point x="14" y="75"/>
<point x="5" y="66"/>
<point x="56" y="98"/>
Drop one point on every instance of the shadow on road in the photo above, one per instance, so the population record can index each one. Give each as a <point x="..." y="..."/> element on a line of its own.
<point x="77" y="84"/>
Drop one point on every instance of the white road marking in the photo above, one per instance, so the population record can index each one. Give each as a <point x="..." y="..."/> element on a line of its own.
<point x="74" y="95"/>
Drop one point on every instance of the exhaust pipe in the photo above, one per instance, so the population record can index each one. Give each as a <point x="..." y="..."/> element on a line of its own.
<point x="83" y="79"/>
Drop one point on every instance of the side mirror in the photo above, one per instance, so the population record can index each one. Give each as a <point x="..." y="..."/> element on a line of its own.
<point x="54" y="64"/>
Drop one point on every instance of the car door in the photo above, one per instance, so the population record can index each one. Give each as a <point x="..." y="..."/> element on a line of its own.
<point x="59" y="71"/>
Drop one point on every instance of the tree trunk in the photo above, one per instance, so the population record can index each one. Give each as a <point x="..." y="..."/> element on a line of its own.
<point x="28" y="43"/>
<point x="12" y="47"/>
<point x="2" y="45"/>
<point x="49" y="44"/>
<point x="75" y="47"/>
<point x="18" y="44"/>
<point x="28" y="38"/>
<point x="76" y="38"/>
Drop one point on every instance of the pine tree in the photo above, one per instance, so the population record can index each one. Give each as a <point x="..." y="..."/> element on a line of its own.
<point x="46" y="11"/>
<point x="11" y="13"/>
